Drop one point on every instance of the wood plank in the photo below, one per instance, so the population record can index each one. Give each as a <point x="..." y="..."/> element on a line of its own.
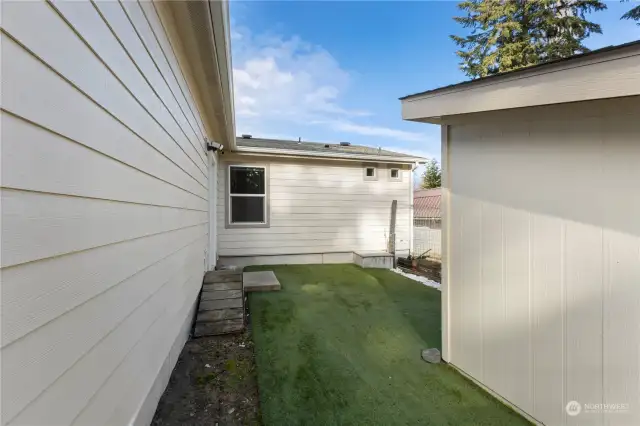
<point x="209" y="305"/>
<point x="236" y="285"/>
<point x="218" y="327"/>
<point x="221" y="294"/>
<point x="220" y="314"/>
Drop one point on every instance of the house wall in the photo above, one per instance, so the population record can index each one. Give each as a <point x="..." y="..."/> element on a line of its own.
<point x="319" y="207"/>
<point x="104" y="212"/>
<point x="542" y="259"/>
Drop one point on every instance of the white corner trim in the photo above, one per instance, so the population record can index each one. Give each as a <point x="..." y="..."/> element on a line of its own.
<point x="445" y="207"/>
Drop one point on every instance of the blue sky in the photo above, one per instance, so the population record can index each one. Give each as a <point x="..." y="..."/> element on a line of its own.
<point x="333" y="71"/>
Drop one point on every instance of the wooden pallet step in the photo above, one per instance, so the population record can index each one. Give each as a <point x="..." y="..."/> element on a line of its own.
<point x="220" y="314"/>
<point x="222" y="276"/>
<point x="209" y="305"/>
<point x="235" y="285"/>
<point x="221" y="294"/>
<point x="218" y="327"/>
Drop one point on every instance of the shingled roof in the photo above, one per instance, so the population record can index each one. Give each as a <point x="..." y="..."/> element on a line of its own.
<point x="319" y="148"/>
<point x="426" y="203"/>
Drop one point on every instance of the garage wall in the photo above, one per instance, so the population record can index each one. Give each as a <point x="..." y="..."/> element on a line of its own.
<point x="319" y="207"/>
<point x="544" y="257"/>
<point x="104" y="212"/>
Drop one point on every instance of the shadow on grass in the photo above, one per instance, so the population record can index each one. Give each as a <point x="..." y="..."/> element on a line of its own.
<point x="418" y="304"/>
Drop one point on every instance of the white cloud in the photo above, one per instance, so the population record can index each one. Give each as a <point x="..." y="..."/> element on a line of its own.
<point x="276" y="76"/>
<point x="366" y="130"/>
<point x="292" y="82"/>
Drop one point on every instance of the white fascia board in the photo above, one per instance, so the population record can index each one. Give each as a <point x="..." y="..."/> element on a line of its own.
<point x="290" y="153"/>
<point x="604" y="75"/>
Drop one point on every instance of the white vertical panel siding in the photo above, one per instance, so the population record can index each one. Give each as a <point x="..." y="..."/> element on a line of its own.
<point x="104" y="215"/>
<point x="544" y="260"/>
<point x="319" y="207"/>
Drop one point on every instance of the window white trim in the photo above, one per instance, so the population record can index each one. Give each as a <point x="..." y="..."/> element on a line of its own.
<point x="375" y="172"/>
<point x="228" y="220"/>
<point x="397" y="178"/>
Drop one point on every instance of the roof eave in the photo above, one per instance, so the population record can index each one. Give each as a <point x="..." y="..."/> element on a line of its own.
<point x="609" y="73"/>
<point x="328" y="155"/>
<point x="200" y="33"/>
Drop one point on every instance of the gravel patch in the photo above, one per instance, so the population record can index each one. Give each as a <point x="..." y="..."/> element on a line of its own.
<point x="423" y="280"/>
<point x="214" y="383"/>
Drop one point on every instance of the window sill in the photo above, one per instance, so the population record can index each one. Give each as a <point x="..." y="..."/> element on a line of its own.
<point x="246" y="225"/>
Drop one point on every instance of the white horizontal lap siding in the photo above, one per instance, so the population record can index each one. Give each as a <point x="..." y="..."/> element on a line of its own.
<point x="165" y="58"/>
<point x="81" y="64"/>
<point x="544" y="260"/>
<point x="104" y="212"/>
<point x="318" y="207"/>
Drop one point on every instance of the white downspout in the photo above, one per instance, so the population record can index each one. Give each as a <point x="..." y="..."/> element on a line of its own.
<point x="213" y="207"/>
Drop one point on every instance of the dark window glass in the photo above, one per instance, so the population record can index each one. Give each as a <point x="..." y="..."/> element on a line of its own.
<point x="247" y="209"/>
<point x="246" y="180"/>
<point x="394" y="173"/>
<point x="371" y="172"/>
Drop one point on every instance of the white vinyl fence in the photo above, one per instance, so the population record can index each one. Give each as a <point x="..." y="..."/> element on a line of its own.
<point x="427" y="235"/>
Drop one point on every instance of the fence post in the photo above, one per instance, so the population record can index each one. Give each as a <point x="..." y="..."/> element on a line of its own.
<point x="392" y="231"/>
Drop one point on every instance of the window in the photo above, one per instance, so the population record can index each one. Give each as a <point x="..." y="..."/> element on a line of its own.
<point x="370" y="173"/>
<point x="247" y="189"/>
<point x="394" y="174"/>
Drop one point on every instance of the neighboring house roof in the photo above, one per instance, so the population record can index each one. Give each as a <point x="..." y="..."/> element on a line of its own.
<point x="318" y="149"/>
<point x="426" y="203"/>
<point x="604" y="73"/>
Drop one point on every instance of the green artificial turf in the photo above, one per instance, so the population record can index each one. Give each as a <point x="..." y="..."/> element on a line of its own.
<point x="340" y="345"/>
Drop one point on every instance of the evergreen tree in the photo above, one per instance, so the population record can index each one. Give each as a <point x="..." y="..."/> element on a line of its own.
<point x="432" y="176"/>
<point x="511" y="34"/>
<point x="633" y="14"/>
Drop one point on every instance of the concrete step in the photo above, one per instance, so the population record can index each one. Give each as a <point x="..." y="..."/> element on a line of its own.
<point x="222" y="276"/>
<point x="235" y="285"/>
<point x="373" y="259"/>
<point x="215" y="328"/>
<point x="220" y="314"/>
<point x="260" y="281"/>
<point x="210" y="305"/>
<point x="220" y="294"/>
